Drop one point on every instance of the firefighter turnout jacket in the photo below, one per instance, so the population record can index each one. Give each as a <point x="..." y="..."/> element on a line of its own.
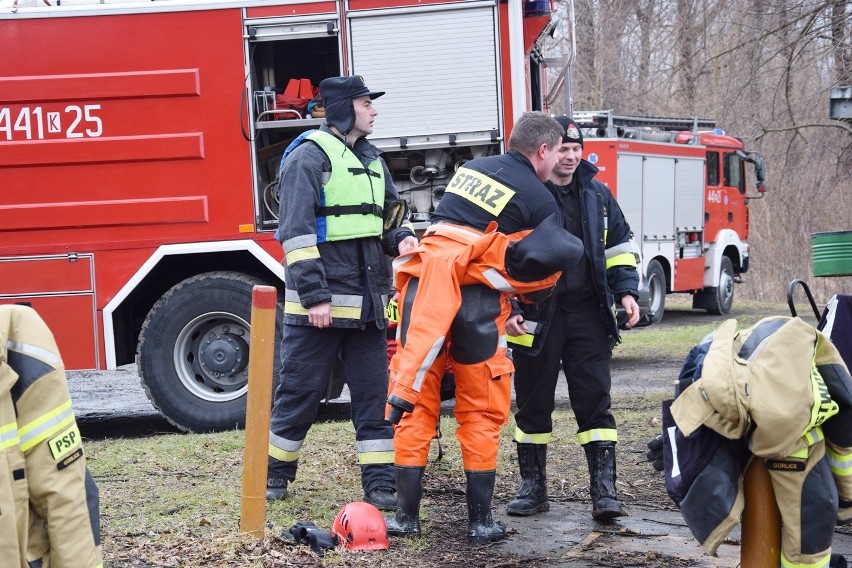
<point x="606" y="238"/>
<point x="333" y="240"/>
<point x="778" y="390"/>
<point x="49" y="516"/>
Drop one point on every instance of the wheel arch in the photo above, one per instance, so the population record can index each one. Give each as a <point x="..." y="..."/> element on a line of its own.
<point x="126" y="311"/>
<point x="727" y="243"/>
<point x="667" y="270"/>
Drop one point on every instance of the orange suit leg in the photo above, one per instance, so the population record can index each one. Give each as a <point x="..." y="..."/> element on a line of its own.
<point x="483" y="399"/>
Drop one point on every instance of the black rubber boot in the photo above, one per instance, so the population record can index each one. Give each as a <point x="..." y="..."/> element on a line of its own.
<point x="601" y="459"/>
<point x="276" y="488"/>
<point x="481" y="526"/>
<point x="409" y="491"/>
<point x="532" y="495"/>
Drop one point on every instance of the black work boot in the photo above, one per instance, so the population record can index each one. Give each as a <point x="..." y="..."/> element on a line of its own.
<point x="481" y="526"/>
<point x="276" y="488"/>
<point x="382" y="498"/>
<point x="532" y="495"/>
<point x="409" y="491"/>
<point x="601" y="458"/>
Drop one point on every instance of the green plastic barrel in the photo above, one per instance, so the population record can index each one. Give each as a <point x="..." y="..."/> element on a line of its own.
<point x="832" y="253"/>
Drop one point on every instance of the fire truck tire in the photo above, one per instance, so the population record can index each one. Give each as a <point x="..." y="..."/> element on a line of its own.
<point x="656" y="278"/>
<point x="725" y="291"/>
<point x="193" y="351"/>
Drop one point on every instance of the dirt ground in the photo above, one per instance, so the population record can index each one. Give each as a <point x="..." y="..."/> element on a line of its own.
<point x="654" y="534"/>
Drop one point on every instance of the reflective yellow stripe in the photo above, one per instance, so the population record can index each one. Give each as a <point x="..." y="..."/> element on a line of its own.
<point x="800" y="454"/>
<point x="840" y="464"/>
<point x="306" y="253"/>
<point x="46" y="425"/>
<point x="369" y="458"/>
<point x="598" y="435"/>
<point x="9" y="435"/>
<point x="526" y="339"/>
<point x="813" y="437"/>
<point x="821" y="563"/>
<point x="344" y="312"/>
<point x="523" y="438"/>
<point x="626" y="259"/>
<point x="283" y="455"/>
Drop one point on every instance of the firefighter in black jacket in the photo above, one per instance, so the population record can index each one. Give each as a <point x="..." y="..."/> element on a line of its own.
<point x="336" y="193"/>
<point x="578" y="328"/>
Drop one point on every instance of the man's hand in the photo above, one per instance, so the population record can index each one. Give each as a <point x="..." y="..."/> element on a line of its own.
<point x="319" y="315"/>
<point x="631" y="308"/>
<point x="515" y="325"/>
<point x="407" y="245"/>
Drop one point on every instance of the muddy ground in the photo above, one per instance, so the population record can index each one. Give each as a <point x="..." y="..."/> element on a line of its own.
<point x="654" y="533"/>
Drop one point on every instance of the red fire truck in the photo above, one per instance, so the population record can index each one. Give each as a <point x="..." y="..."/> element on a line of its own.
<point x="140" y="143"/>
<point x="683" y="188"/>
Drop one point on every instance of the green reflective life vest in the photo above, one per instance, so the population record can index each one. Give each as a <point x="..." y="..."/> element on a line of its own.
<point x="351" y="202"/>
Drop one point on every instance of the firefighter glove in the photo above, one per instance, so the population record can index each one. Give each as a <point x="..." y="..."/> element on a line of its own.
<point x="396" y="214"/>
<point x="397" y="407"/>
<point x="655" y="452"/>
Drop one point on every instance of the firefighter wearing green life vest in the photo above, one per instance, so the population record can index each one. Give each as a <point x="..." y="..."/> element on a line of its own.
<point x="339" y="221"/>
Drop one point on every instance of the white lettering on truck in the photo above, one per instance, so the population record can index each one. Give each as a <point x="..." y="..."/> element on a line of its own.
<point x="32" y="123"/>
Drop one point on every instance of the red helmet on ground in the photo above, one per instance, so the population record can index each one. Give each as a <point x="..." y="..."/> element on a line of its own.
<point x="360" y="526"/>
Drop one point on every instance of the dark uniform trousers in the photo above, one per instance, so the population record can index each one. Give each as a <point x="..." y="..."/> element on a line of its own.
<point x="580" y="340"/>
<point x="308" y="358"/>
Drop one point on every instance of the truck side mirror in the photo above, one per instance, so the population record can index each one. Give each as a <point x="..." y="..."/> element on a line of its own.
<point x="759" y="171"/>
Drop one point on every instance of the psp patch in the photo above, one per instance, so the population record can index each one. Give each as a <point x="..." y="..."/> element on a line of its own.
<point x="65" y="442"/>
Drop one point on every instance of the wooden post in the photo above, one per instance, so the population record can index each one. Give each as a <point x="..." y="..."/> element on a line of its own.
<point x="264" y="300"/>
<point x="761" y="530"/>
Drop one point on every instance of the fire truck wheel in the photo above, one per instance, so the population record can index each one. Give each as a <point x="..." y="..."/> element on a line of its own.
<point x="194" y="347"/>
<point x="725" y="291"/>
<point x="656" y="278"/>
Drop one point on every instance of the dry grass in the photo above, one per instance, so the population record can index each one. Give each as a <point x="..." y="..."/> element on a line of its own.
<point x="174" y="500"/>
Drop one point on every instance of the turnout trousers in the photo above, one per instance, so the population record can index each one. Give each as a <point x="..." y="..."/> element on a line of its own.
<point x="578" y="340"/>
<point x="455" y="288"/>
<point x="308" y="356"/>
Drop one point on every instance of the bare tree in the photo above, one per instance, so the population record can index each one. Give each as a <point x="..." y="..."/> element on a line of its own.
<point x="762" y="69"/>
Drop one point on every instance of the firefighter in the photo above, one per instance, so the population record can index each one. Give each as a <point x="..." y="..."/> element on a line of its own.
<point x="455" y="289"/>
<point x="336" y="194"/>
<point x="578" y="328"/>
<point x="49" y="513"/>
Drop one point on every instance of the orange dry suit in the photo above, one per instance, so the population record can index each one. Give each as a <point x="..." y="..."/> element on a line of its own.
<point x="48" y="500"/>
<point x="456" y="287"/>
<point x="780" y="391"/>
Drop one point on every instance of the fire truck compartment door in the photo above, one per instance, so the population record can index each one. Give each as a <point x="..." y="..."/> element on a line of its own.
<point x="425" y="57"/>
<point x="61" y="289"/>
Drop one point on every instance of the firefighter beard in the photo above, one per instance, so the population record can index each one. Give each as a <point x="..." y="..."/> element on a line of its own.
<point x="454" y="288"/>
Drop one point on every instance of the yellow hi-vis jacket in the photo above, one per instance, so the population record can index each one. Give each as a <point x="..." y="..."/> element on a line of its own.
<point x="49" y="514"/>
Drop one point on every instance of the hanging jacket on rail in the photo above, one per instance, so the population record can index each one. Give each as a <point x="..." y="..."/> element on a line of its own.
<point x="778" y="390"/>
